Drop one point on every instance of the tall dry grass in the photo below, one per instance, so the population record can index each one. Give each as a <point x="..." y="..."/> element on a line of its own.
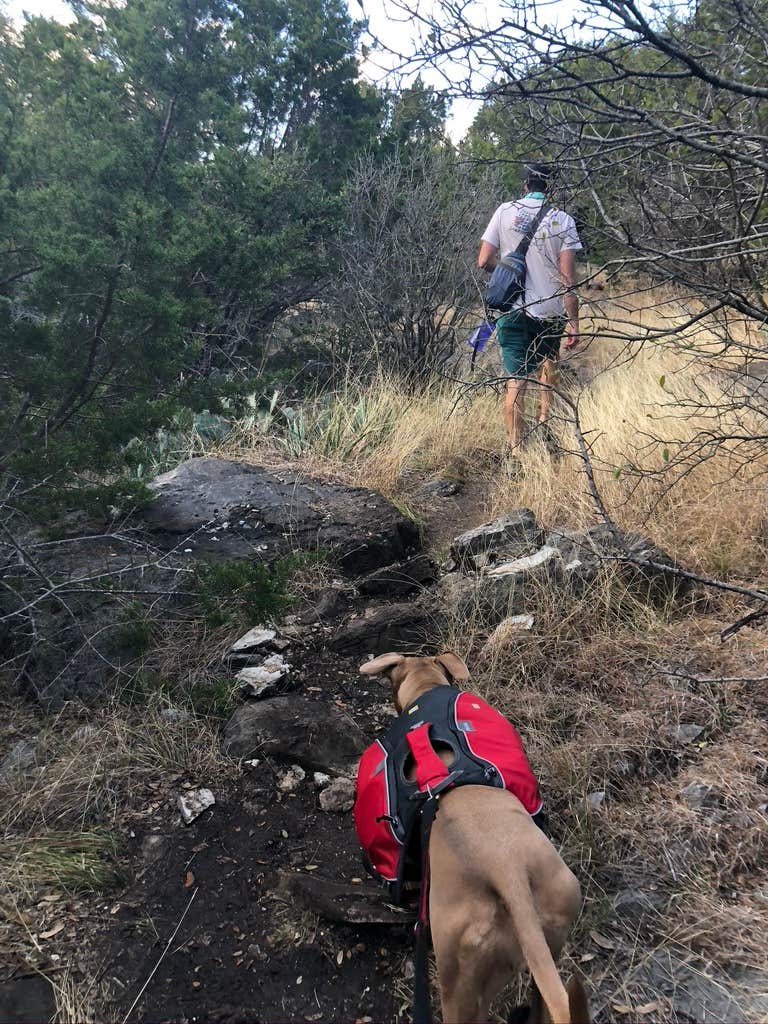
<point x="631" y="414"/>
<point x="639" y="405"/>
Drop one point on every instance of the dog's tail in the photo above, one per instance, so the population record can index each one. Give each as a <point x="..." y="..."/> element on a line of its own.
<point x="515" y="891"/>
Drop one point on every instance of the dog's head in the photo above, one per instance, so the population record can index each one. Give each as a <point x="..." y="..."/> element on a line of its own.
<point x="442" y="670"/>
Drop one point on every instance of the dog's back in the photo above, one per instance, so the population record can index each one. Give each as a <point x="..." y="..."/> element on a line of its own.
<point x="501" y="898"/>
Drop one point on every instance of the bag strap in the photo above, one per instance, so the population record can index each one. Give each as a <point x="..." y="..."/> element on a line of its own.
<point x="527" y="238"/>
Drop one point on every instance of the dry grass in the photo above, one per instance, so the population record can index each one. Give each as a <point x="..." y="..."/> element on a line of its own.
<point x="88" y="774"/>
<point x="78" y="1002"/>
<point x="380" y="432"/>
<point x="641" y="402"/>
<point x="633" y="418"/>
<point x="597" y="687"/>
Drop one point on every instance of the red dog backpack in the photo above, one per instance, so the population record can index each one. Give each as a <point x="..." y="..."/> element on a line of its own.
<point x="486" y="751"/>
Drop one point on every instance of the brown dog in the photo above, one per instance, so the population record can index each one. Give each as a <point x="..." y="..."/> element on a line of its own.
<point x="500" y="895"/>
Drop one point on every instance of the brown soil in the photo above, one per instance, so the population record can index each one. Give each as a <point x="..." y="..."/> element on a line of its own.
<point x="240" y="950"/>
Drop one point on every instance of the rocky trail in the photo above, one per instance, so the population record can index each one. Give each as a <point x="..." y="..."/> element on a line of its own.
<point x="258" y="909"/>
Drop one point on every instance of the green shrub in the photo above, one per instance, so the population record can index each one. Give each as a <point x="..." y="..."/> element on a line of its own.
<point x="245" y="593"/>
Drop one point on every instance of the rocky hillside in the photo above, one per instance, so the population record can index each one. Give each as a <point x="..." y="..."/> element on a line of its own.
<point x="234" y="889"/>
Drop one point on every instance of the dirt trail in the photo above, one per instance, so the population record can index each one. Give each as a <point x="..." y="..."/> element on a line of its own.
<point x="241" y="949"/>
<point x="244" y="951"/>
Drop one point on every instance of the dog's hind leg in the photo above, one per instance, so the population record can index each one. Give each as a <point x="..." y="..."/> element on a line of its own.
<point x="469" y="976"/>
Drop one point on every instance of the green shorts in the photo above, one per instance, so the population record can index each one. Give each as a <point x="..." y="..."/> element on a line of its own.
<point x="526" y="341"/>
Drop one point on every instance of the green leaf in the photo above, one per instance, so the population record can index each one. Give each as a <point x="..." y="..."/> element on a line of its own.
<point x="665" y="454"/>
<point x="662" y="380"/>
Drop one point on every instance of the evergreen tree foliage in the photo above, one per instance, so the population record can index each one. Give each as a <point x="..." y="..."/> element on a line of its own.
<point x="168" y="187"/>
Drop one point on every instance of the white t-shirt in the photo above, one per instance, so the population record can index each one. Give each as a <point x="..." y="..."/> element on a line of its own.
<point x="557" y="232"/>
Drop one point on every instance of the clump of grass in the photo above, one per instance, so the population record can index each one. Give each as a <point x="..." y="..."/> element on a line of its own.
<point x="79" y="1000"/>
<point x="87" y="775"/>
<point x="73" y="862"/>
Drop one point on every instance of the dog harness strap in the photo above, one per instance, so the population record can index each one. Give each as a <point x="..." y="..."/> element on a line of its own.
<point x="429" y="768"/>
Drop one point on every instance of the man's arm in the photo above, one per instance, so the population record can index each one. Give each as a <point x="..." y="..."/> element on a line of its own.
<point x="567" y="266"/>
<point x="487" y="257"/>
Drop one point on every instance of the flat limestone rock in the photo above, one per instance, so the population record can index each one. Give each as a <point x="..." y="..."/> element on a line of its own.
<point x="256" y="637"/>
<point x="510" y="536"/>
<point x="234" y="510"/>
<point x="584" y="552"/>
<point x="346" y="904"/>
<point x="309" y="733"/>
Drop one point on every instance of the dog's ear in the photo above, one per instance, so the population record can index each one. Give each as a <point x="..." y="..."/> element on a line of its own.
<point x="454" y="666"/>
<point x="383" y="663"/>
<point x="577" y="1000"/>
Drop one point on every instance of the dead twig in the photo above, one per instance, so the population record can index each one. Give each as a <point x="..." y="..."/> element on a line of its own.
<point x="162" y="956"/>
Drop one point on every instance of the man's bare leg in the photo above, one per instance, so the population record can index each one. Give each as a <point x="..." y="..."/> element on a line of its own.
<point x="513" y="411"/>
<point x="547" y="376"/>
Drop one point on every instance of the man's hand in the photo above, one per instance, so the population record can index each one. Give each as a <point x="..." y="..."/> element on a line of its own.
<point x="572" y="335"/>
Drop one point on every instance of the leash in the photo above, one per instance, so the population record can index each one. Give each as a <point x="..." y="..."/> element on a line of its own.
<point x="422" y="1009"/>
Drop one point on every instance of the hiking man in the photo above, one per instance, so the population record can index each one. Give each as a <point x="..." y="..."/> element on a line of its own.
<point x="530" y="335"/>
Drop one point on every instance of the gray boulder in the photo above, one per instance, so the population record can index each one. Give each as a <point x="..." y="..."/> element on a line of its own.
<point x="505" y="538"/>
<point x="389" y="627"/>
<point x="509" y="588"/>
<point x="400" y="579"/>
<point x="309" y="733"/>
<point x="233" y="510"/>
<point x="585" y="552"/>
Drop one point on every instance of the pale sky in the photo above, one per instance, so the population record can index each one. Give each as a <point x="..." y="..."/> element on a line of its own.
<point x="385" y="23"/>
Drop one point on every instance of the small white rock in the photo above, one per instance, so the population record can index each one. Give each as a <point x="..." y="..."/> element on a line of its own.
<point x="686" y="732"/>
<point x="595" y="800"/>
<point x="321" y="780"/>
<point x="291" y="780"/>
<point x="339" y="796"/>
<point x="271" y="669"/>
<point x="255" y="637"/>
<point x="176" y="716"/>
<point x="194" y="802"/>
<point x="257" y="690"/>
